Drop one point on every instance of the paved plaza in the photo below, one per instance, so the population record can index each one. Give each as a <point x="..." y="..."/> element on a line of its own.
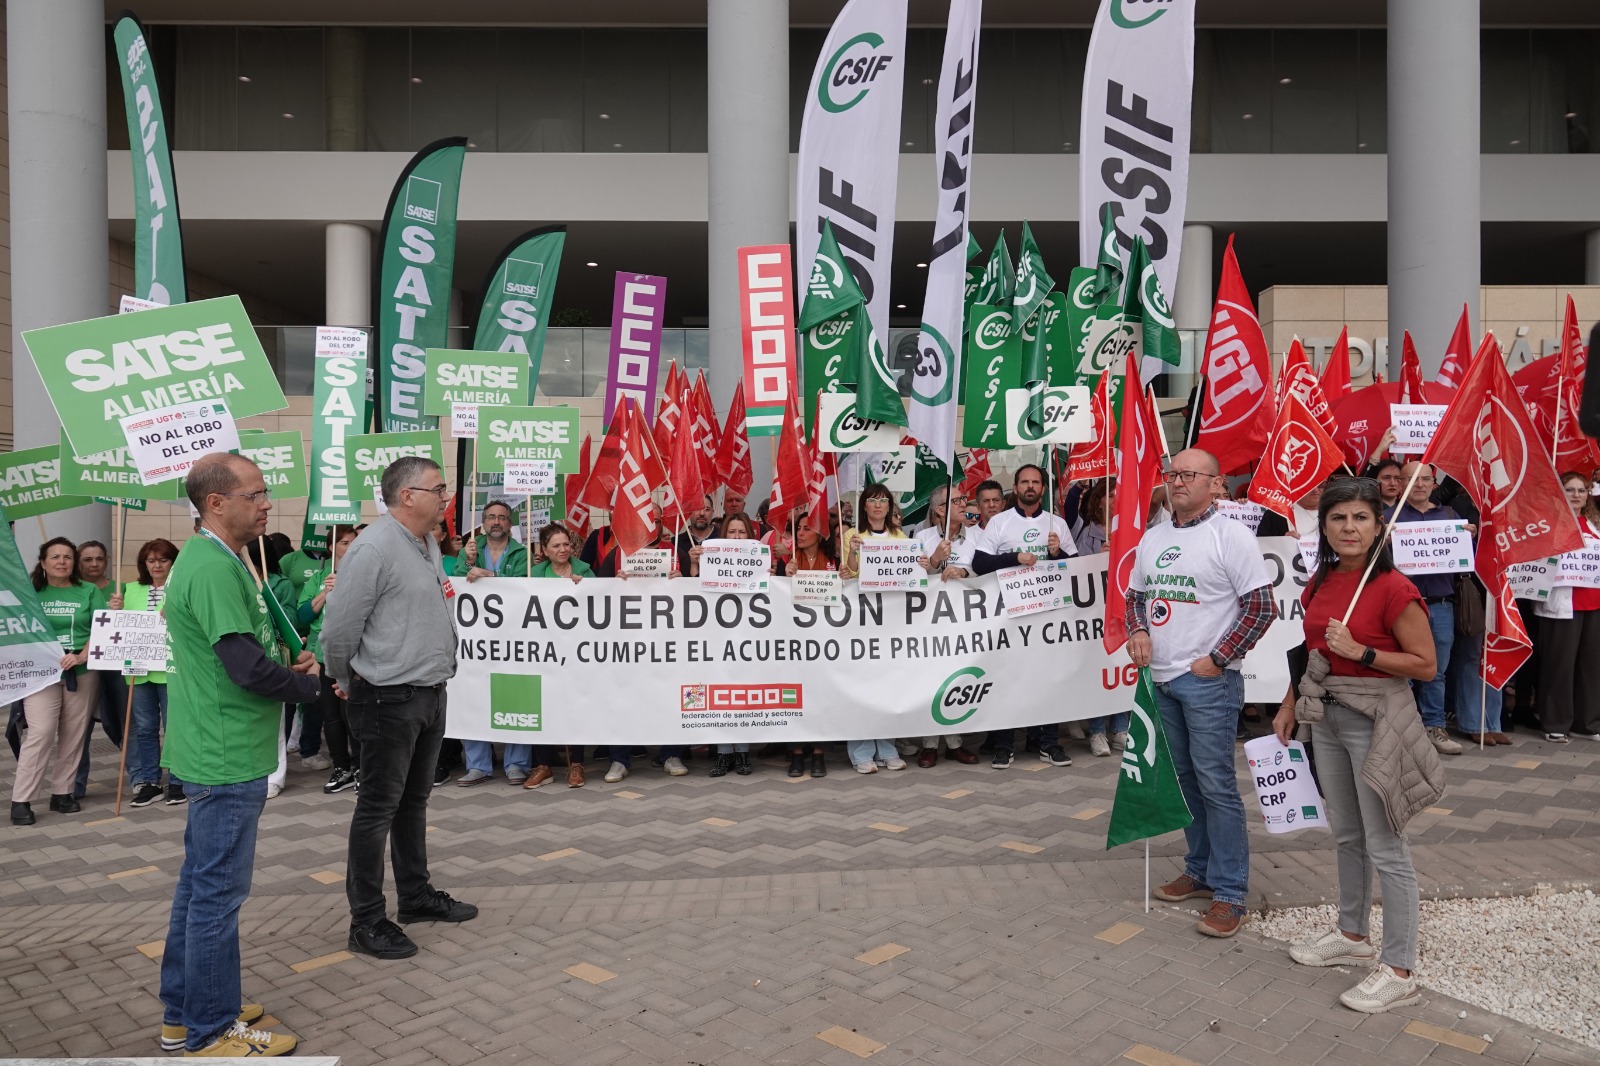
<point x="952" y="915"/>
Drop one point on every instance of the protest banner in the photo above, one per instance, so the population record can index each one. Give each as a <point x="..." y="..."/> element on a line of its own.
<point x="1285" y="789"/>
<point x="816" y="587"/>
<point x="30" y="483"/>
<point x="158" y="273"/>
<point x="1414" y="426"/>
<point x="876" y="664"/>
<point x="544" y="433"/>
<point x="891" y="565"/>
<point x="1432" y="547"/>
<point x="766" y="330"/>
<point x="464" y="421"/>
<point x="1534" y="580"/>
<point x="844" y="430"/>
<point x="483" y="379"/>
<point x="30" y="654"/>
<point x="126" y="304"/>
<point x="1580" y="568"/>
<point x="102" y="370"/>
<point x="530" y="477"/>
<point x="338" y="409"/>
<point x="165" y="444"/>
<point x="735" y="566"/>
<point x="133" y="642"/>
<point x="638" y="311"/>
<point x="367" y="455"/>
<point x="282" y="459"/>
<point x="517" y="296"/>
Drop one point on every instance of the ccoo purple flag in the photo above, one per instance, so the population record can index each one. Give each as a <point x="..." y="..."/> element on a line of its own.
<point x="637" y="311"/>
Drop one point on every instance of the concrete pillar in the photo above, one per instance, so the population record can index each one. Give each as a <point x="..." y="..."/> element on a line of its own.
<point x="747" y="52"/>
<point x="1591" y="257"/>
<point x="1434" y="202"/>
<point x="344" y="79"/>
<point x="1191" y="303"/>
<point x="56" y="52"/>
<point x="347" y="255"/>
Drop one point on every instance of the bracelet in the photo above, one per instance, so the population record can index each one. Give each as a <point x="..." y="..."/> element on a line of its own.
<point x="1369" y="655"/>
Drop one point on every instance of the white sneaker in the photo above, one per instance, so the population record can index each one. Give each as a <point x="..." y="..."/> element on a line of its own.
<point x="866" y="768"/>
<point x="1382" y="990"/>
<point x="1442" y="743"/>
<point x="616" y="773"/>
<point x="674" y="766"/>
<point x="1119" y="741"/>
<point x="1075" y="730"/>
<point x="1332" y="948"/>
<point x="896" y="764"/>
<point x="318" y="761"/>
<point x="1098" y="744"/>
<point x="273" y="788"/>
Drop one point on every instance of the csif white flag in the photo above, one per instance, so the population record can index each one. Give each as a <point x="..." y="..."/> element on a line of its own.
<point x="1138" y="86"/>
<point x="850" y="146"/>
<point x="932" y="417"/>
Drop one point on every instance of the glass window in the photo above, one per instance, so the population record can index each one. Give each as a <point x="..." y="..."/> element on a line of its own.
<point x="540" y="91"/>
<point x="1372" y="91"/>
<point x="996" y="98"/>
<point x="688" y="96"/>
<point x="387" y="72"/>
<point x="805" y="47"/>
<point x="450" y="92"/>
<point x="924" y="53"/>
<point x="1504" y="73"/>
<point x="281" y="106"/>
<point x="1054" y="60"/>
<point x="205" y="113"/>
<point x="1313" y="86"/>
<point x="626" y="86"/>
<point x="1239" y="78"/>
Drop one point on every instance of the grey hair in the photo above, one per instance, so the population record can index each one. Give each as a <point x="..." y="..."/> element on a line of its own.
<point x="213" y="474"/>
<point x="402" y="474"/>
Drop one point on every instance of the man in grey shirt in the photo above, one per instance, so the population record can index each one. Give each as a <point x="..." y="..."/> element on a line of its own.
<point x="389" y="644"/>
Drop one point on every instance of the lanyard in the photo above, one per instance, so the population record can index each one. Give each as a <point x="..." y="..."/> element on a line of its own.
<point x="213" y="538"/>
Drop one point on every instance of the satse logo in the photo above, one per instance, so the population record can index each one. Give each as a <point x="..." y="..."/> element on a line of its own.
<point x="422" y="199"/>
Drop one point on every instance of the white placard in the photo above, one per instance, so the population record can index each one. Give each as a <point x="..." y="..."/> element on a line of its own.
<point x="735" y="565"/>
<point x="1250" y="514"/>
<point x="1044" y="586"/>
<point x="1308" y="552"/>
<point x="896" y="469"/>
<point x="1534" y="579"/>
<point x="845" y="431"/>
<point x="1414" y="426"/>
<point x="136" y="640"/>
<point x="647" y="562"/>
<point x="377" y="499"/>
<point x="464" y="421"/>
<point x="129" y="304"/>
<point x="891" y="565"/>
<point x="165" y="443"/>
<point x="1285" y="788"/>
<point x="1068" y="416"/>
<point x="346" y="341"/>
<point x="1432" y="547"/>
<point x="530" y="477"/>
<point x="817" y="586"/>
<point x="1581" y="568"/>
<point x="538" y="518"/>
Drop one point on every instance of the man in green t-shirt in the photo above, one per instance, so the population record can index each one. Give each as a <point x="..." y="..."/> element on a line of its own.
<point x="226" y="687"/>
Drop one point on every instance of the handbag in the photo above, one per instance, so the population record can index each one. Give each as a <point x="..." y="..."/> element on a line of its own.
<point x="1470" y="620"/>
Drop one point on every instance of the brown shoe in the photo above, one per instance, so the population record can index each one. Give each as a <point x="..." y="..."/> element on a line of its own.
<point x="1222" y="919"/>
<point x="540" y="775"/>
<point x="927" y="757"/>
<point x="575" y="775"/>
<point x="963" y="756"/>
<point x="1498" y="738"/>
<point x="1185" y="887"/>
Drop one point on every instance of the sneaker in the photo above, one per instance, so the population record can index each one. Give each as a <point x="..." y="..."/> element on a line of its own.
<point x="274" y="790"/>
<point x="244" y="1042"/>
<point x="617" y="772"/>
<point x="516" y="775"/>
<point x="675" y="768"/>
<point x="542" y="775"/>
<point x="1002" y="758"/>
<point x="1055" y="755"/>
<point x="1184" y="887"/>
<point x="437" y="906"/>
<point x="1442" y="742"/>
<point x="1332" y="948"/>
<point x="381" y="939"/>
<point x="1382" y="990"/>
<point x="472" y="777"/>
<point x="318" y="761"/>
<point x="1221" y="919"/>
<point x="145" y="795"/>
<point x="1119" y="741"/>
<point x="1556" y="738"/>
<point x="441" y="774"/>
<point x="866" y="768"/>
<point x="341" y="780"/>
<point x="175" y="795"/>
<point x="895" y="764"/>
<point x="1587" y="736"/>
<point x="173" y="1037"/>
<point x="1098" y="745"/>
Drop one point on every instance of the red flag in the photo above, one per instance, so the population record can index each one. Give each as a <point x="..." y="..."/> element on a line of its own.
<point x="1507" y="644"/>
<point x="792" y="475"/>
<point x="1139" y="472"/>
<point x="705" y="429"/>
<point x="577" y="515"/>
<point x="688" y="490"/>
<point x="1487" y="443"/>
<point x="1572" y="449"/>
<point x="733" y="448"/>
<point x="601" y="483"/>
<point x="669" y="409"/>
<point x="1300" y="381"/>
<point x="1410" y="373"/>
<point x="1457" y="353"/>
<point x="1299" y="457"/>
<point x="1335" y="380"/>
<point x="1236" y="412"/>
<point x="640" y="472"/>
<point x="819" y="464"/>
<point x="977" y="471"/>
<point x="1092" y="458"/>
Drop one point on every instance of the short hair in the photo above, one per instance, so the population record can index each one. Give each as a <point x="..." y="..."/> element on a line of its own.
<point x="214" y="474"/>
<point x="401" y="473"/>
<point x="988" y="486"/>
<point x="1027" y="466"/>
<point x="1385" y="463"/>
<point x="160" y="547"/>
<point x="491" y="503"/>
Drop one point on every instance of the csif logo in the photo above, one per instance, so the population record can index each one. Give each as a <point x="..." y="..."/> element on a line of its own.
<point x="422" y="199"/>
<point x="1168" y="557"/>
<point x="1083" y="294"/>
<point x="850" y="429"/>
<point x="990" y="333"/>
<point x="1125" y="15"/>
<point x="827" y="277"/>
<point x="857" y="62"/>
<point x="961" y="696"/>
<point x="1155" y="301"/>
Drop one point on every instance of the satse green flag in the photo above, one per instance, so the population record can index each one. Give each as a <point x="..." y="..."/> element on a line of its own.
<point x="1149" y="801"/>
<point x="30" y="655"/>
<point x="517" y="296"/>
<point x="157" y="243"/>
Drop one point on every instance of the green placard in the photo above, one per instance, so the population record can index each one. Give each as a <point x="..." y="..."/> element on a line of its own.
<point x="338" y="411"/>
<point x="30" y="483"/>
<point x="549" y="433"/>
<point x="103" y="369"/>
<point x="488" y="379"/>
<point x="282" y="459"/>
<point x="993" y="366"/>
<point x="369" y="454"/>
<point x="110" y="476"/>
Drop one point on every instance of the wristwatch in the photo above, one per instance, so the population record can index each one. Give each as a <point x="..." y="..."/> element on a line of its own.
<point x="1218" y="661"/>
<point x="1369" y="655"/>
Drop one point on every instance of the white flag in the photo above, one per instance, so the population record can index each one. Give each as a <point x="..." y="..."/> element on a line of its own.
<point x="1138" y="87"/>
<point x="850" y="146"/>
<point x="938" y="371"/>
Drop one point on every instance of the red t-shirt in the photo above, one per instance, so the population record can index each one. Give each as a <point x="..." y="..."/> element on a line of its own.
<point x="1372" y="623"/>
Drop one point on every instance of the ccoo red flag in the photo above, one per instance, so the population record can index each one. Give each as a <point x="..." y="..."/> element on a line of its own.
<point x="792" y="468"/>
<point x="1237" y="406"/>
<point x="1457" y="353"/>
<point x="683" y="473"/>
<point x="601" y="483"/>
<point x="669" y="409"/>
<point x="733" y="448"/>
<point x="577" y="515"/>
<point x="639" y="473"/>
<point x="1411" y="390"/>
<point x="977" y="471"/>
<point x="1139" y="470"/>
<point x="1299" y="380"/>
<point x="1299" y="456"/>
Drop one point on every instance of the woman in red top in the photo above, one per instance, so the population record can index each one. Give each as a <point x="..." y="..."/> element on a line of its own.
<point x="1569" y="639"/>
<point x="1387" y="637"/>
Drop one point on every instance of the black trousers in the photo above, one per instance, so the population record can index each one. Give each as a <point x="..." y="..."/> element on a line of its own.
<point x="399" y="740"/>
<point x="344" y="747"/>
<point x="1569" y="678"/>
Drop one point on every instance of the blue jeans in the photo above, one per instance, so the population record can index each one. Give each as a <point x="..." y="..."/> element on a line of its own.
<point x="200" y="968"/>
<point x="149" y="719"/>
<point x="480" y="755"/>
<point x="862" y="752"/>
<point x="623" y="753"/>
<point x="1430" y="694"/>
<point x="1111" y="723"/>
<point x="1200" y="717"/>
<point x="1477" y="704"/>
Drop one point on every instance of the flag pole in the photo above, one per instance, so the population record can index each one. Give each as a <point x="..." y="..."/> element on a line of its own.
<point x="1388" y="527"/>
<point x="1147" y="875"/>
<point x="122" y="535"/>
<point x="1483" y="666"/>
<point x="527" y="549"/>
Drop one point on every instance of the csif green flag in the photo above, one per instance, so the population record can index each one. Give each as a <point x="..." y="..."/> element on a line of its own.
<point x="1033" y="285"/>
<point x="30" y="654"/>
<point x="1144" y="307"/>
<point x="877" y="390"/>
<point x="994" y="287"/>
<point x="831" y="331"/>
<point x="411" y="302"/>
<point x="1108" y="266"/>
<point x="994" y="365"/>
<point x="517" y="296"/>
<point x="157" y="243"/>
<point x="831" y="288"/>
<point x="1149" y="801"/>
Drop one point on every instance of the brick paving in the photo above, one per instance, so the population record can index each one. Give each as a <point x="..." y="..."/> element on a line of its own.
<point x="952" y="915"/>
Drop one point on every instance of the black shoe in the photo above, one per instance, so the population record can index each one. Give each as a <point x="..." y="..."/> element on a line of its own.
<point x="1055" y="755"/>
<point x="724" y="764"/>
<point x="22" y="814"/>
<point x="441" y="775"/>
<point x="341" y="780"/>
<point x="741" y="763"/>
<point x="64" y="805"/>
<point x="145" y="795"/>
<point x="797" y="764"/>
<point x="1002" y="758"/>
<point x="175" y="795"/>
<point x="818" y="767"/>
<point x="381" y="939"/>
<point x="437" y="907"/>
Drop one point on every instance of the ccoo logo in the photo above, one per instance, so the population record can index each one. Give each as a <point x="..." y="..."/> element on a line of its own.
<point x="856" y="63"/>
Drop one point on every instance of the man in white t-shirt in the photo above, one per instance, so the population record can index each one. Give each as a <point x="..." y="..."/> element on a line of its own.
<point x="1198" y="599"/>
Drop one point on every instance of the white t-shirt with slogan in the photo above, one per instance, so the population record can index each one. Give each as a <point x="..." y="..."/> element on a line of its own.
<point x="1192" y="578"/>
<point x="1012" y="531"/>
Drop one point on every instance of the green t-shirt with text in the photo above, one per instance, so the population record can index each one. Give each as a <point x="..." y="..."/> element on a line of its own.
<point x="70" y="611"/>
<point x="217" y="733"/>
<point x="299" y="568"/>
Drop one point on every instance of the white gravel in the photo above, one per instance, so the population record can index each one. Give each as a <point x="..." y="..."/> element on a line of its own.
<point x="1533" y="958"/>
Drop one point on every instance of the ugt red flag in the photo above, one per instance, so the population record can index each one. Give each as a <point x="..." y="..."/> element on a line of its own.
<point x="820" y="464"/>
<point x="1139" y="470"/>
<point x="978" y="471"/>
<point x="792" y="473"/>
<point x="1457" y="353"/>
<point x="577" y="515"/>
<point x="1299" y="457"/>
<point x="733" y="448"/>
<point x="1572" y="448"/>
<point x="705" y="430"/>
<point x="1236" y="411"/>
<point x="1506" y="643"/>
<point x="1092" y="458"/>
<point x="683" y="473"/>
<point x="1411" y="390"/>
<point x="1299" y="380"/>
<point x="1487" y="443"/>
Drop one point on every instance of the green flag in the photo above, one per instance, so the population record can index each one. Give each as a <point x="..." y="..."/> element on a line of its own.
<point x="1033" y="285"/>
<point x="338" y="413"/>
<point x="1144" y="307"/>
<point x="877" y="391"/>
<point x="30" y="483"/>
<point x="930" y="472"/>
<point x="998" y="274"/>
<point x="995" y="365"/>
<point x="30" y="654"/>
<point x="828" y="358"/>
<point x="1148" y="801"/>
<point x="831" y="289"/>
<point x="1108" y="268"/>
<point x="157" y="244"/>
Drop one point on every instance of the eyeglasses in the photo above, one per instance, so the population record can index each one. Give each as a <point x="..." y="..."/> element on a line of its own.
<point x="1172" y="477"/>
<point x="254" y="497"/>
<point x="438" y="490"/>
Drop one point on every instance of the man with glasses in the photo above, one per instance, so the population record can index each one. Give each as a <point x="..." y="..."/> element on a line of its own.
<point x="494" y="553"/>
<point x="1439" y="591"/>
<point x="389" y="643"/>
<point x="1198" y="599"/>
